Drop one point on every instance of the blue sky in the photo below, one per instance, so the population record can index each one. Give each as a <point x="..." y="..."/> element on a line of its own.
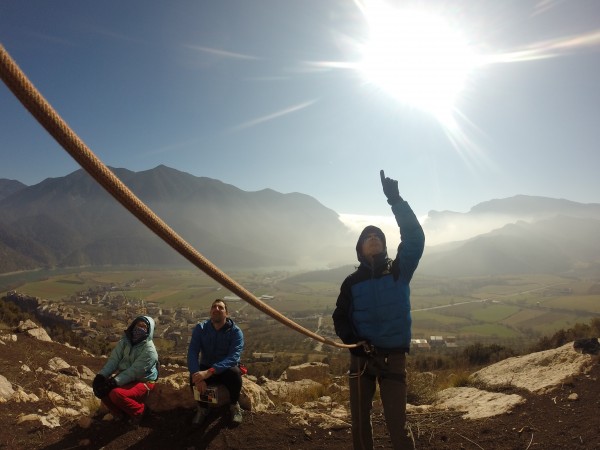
<point x="273" y="94"/>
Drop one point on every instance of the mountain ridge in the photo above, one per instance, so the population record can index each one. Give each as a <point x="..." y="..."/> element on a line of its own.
<point x="558" y="244"/>
<point x="234" y="228"/>
<point x="71" y="221"/>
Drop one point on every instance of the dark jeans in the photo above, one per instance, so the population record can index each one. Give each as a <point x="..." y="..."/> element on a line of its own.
<point x="231" y="379"/>
<point x="390" y="371"/>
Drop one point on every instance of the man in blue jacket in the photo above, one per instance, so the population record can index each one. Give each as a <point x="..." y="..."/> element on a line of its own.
<point x="373" y="311"/>
<point x="128" y="376"/>
<point x="219" y="342"/>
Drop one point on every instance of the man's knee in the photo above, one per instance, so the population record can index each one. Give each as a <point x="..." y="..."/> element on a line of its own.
<point x="232" y="375"/>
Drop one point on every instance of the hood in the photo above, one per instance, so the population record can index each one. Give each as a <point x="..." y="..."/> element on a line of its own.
<point x="368" y="230"/>
<point x="149" y="320"/>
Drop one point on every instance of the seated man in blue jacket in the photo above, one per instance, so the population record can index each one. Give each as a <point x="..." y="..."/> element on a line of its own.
<point x="214" y="356"/>
<point x="373" y="310"/>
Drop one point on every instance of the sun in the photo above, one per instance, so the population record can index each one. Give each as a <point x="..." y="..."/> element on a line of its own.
<point x="416" y="56"/>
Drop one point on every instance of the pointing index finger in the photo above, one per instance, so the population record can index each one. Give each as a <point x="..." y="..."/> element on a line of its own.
<point x="382" y="175"/>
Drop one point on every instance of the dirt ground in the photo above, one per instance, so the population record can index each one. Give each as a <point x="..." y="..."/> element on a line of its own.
<point x="549" y="421"/>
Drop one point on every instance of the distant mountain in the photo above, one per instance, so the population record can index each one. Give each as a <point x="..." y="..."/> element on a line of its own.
<point x="335" y="275"/>
<point x="448" y="226"/>
<point x="8" y="187"/>
<point x="521" y="234"/>
<point x="526" y="206"/>
<point x="72" y="221"/>
<point x="516" y="235"/>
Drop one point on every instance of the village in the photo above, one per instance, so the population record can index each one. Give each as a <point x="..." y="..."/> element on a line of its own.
<point x="101" y="314"/>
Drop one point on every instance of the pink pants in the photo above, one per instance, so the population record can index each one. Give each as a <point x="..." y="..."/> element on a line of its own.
<point x="128" y="399"/>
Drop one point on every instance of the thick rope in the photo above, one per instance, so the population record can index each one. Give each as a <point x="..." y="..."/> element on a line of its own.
<point x="35" y="103"/>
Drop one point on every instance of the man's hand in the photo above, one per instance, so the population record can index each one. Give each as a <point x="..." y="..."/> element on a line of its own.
<point x="201" y="386"/>
<point x="199" y="380"/>
<point x="390" y="189"/>
<point x="363" y="349"/>
<point x="206" y="374"/>
<point x="201" y="375"/>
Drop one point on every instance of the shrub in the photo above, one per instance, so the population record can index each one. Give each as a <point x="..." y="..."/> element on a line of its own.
<point x="479" y="354"/>
<point x="459" y="379"/>
<point x="562" y="337"/>
<point x="11" y="314"/>
<point x="422" y="387"/>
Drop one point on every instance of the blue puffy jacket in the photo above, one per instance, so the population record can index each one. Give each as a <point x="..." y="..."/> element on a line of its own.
<point x="220" y="349"/>
<point x="374" y="301"/>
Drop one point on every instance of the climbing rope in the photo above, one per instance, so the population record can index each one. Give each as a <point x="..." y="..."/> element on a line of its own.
<point x="35" y="103"/>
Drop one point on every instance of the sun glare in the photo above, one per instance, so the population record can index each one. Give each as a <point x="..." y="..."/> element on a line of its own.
<point x="416" y="56"/>
<point x="424" y="59"/>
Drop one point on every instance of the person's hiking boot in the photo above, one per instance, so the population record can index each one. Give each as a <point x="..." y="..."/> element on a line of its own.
<point x="236" y="414"/>
<point x="137" y="420"/>
<point x="201" y="415"/>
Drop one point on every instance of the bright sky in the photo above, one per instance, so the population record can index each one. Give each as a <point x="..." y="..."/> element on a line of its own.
<point x="461" y="101"/>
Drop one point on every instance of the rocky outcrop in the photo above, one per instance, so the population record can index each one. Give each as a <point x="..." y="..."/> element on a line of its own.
<point x="4" y="338"/>
<point x="254" y="397"/>
<point x="70" y="396"/>
<point x="289" y="390"/>
<point x="6" y="390"/>
<point x="64" y="393"/>
<point x="31" y="328"/>
<point x="68" y="390"/>
<point x="476" y="403"/>
<point x="535" y="372"/>
<point x="315" y="371"/>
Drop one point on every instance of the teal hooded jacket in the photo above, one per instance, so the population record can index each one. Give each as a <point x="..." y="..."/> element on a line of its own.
<point x="133" y="362"/>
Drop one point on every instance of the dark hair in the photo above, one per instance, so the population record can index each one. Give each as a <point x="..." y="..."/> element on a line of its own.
<point x="220" y="300"/>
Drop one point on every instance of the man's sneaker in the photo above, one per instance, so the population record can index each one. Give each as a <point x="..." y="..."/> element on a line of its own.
<point x="200" y="416"/>
<point x="236" y="413"/>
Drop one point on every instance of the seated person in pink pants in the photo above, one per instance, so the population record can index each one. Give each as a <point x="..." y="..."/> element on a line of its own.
<point x="128" y="376"/>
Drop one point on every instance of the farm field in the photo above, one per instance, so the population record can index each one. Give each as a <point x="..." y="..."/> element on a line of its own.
<point x="487" y="308"/>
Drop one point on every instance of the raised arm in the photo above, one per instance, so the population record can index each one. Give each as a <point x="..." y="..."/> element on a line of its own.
<point x="412" y="236"/>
